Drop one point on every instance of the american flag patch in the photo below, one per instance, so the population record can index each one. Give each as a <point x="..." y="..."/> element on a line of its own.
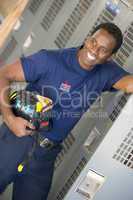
<point x="65" y="87"/>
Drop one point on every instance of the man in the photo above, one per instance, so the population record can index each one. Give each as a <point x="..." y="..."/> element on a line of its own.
<point x="65" y="76"/>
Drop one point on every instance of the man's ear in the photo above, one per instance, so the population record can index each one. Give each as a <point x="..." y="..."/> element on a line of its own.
<point x="85" y="42"/>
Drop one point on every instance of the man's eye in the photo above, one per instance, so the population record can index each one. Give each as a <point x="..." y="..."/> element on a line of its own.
<point x="93" y="41"/>
<point x="103" y="50"/>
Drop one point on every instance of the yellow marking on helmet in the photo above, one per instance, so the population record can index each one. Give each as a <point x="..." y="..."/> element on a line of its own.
<point x="13" y="95"/>
<point x="39" y="106"/>
<point x="44" y="100"/>
<point x="47" y="101"/>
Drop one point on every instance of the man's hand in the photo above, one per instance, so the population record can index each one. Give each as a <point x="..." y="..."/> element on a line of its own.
<point x="125" y="84"/>
<point x="8" y="74"/>
<point x="19" y="126"/>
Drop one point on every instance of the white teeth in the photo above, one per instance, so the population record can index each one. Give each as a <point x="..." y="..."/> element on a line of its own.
<point x="91" y="57"/>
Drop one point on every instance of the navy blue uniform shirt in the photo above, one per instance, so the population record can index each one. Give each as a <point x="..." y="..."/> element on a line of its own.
<point x="57" y="74"/>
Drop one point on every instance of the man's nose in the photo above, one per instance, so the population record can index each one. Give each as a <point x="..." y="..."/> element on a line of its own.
<point x="95" y="50"/>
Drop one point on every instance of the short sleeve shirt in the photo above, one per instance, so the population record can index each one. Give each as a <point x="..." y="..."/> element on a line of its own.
<point x="57" y="74"/>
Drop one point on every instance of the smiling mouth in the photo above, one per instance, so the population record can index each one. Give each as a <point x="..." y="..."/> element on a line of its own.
<point x="91" y="57"/>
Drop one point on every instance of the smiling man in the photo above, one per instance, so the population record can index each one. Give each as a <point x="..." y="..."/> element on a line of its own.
<point x="97" y="49"/>
<point x="73" y="78"/>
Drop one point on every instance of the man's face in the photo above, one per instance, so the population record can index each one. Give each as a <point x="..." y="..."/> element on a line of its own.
<point x="97" y="49"/>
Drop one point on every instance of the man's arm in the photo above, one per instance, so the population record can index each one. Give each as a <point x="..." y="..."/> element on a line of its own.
<point x="125" y="84"/>
<point x="8" y="74"/>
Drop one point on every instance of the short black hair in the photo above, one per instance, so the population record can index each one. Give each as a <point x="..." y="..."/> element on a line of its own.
<point x="114" y="30"/>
